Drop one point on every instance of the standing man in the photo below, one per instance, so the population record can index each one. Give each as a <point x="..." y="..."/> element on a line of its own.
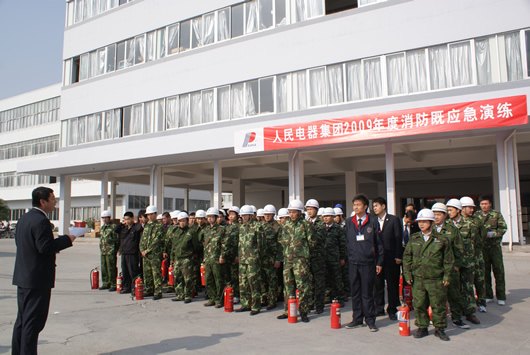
<point x="130" y="234"/>
<point x="230" y="247"/>
<point x="495" y="228"/>
<point x="391" y="230"/>
<point x="34" y="273"/>
<point x="109" y="243"/>
<point x="410" y="226"/>
<point x="152" y="247"/>
<point x="318" y="263"/>
<point x="213" y="234"/>
<point x="365" y="255"/>
<point x="270" y="261"/>
<point x="335" y="255"/>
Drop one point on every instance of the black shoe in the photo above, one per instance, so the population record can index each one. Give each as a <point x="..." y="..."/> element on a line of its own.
<point x="253" y="313"/>
<point x="218" y="305"/>
<point x="176" y="299"/>
<point x="148" y="294"/>
<point x="304" y="317"/>
<point x="319" y="310"/>
<point x="421" y="332"/>
<point x="354" y="325"/>
<point x="373" y="327"/>
<point x="103" y="288"/>
<point x="441" y="334"/>
<point x="380" y="313"/>
<point x="243" y="309"/>
<point x="112" y="289"/>
<point x="125" y="291"/>
<point x="282" y="316"/>
<point x="271" y="306"/>
<point x="392" y="316"/>
<point x="157" y="297"/>
<point x="187" y="300"/>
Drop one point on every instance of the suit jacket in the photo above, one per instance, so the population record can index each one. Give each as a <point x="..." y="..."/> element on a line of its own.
<point x="392" y="233"/>
<point x="368" y="250"/>
<point x="36" y="249"/>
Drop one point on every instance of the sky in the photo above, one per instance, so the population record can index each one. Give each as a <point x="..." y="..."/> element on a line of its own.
<point x="31" y="45"/>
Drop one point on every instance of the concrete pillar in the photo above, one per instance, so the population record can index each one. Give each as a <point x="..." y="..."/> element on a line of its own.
<point x="156" y="192"/>
<point x="496" y="197"/>
<point x="186" y="199"/>
<point x="217" y="193"/>
<point x="296" y="176"/>
<point x="390" y="180"/>
<point x="65" y="203"/>
<point x="112" y="207"/>
<point x="351" y="182"/>
<point x="238" y="192"/>
<point x="104" y="200"/>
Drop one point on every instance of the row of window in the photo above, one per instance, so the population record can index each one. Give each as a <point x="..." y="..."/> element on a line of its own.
<point x="481" y="61"/>
<point x="80" y="10"/>
<point x="216" y="26"/>
<point x="30" y="147"/>
<point x="14" y="179"/>
<point x="34" y="114"/>
<point x="85" y="213"/>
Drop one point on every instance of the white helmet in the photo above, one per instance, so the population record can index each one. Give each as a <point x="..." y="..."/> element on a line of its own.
<point x="200" y="214"/>
<point x="467" y="202"/>
<point x="425" y="215"/>
<point x="338" y="211"/>
<point x="269" y="209"/>
<point x="223" y="212"/>
<point x="182" y="215"/>
<point x="312" y="203"/>
<point x="454" y="203"/>
<point x="352" y="213"/>
<point x="151" y="209"/>
<point x="174" y="214"/>
<point x="234" y="209"/>
<point x="283" y="212"/>
<point x="246" y="209"/>
<point x="296" y="205"/>
<point x="254" y="209"/>
<point x="261" y="212"/>
<point x="212" y="211"/>
<point x="320" y="211"/>
<point x="105" y="214"/>
<point x="328" y="211"/>
<point x="440" y="207"/>
<point x="276" y="218"/>
<point x="159" y="216"/>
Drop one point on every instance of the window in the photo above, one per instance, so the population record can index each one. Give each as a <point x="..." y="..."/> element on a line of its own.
<point x="333" y="6"/>
<point x="195" y="205"/>
<point x="461" y="64"/>
<point x="237" y="103"/>
<point x="514" y="63"/>
<point x="283" y="102"/>
<point x="252" y="19"/>
<point x="251" y="98"/>
<point x="266" y="95"/>
<point x="223" y="24"/>
<point x="196" y="33"/>
<point x="179" y="204"/>
<point x="223" y="103"/>
<point x="67" y="72"/>
<point x="130" y="53"/>
<point x="121" y="55"/>
<point x="139" y="49"/>
<point x="184" y="110"/>
<point x="280" y="12"/>
<point x="238" y="20"/>
<point x="168" y="204"/>
<point x="335" y="84"/>
<point x="265" y="14"/>
<point x="527" y="38"/>
<point x="438" y="67"/>
<point x="208" y="106"/>
<point x="396" y="78"/>
<point x="417" y="70"/>
<point x="185" y="36"/>
<point x="138" y="202"/>
<point x="111" y="58"/>
<point x="83" y="75"/>
<point x="299" y="90"/>
<point x="307" y="9"/>
<point x="148" y="117"/>
<point x="101" y="58"/>
<point x="126" y="118"/>
<point x="151" y="46"/>
<point x="161" y="43"/>
<point x="173" y="39"/>
<point x="317" y="84"/>
<point x="172" y="109"/>
<point x="208" y="28"/>
<point x="195" y="108"/>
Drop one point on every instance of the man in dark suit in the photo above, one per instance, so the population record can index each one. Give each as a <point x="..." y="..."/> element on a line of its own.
<point x="34" y="273"/>
<point x="410" y="226"/>
<point x="391" y="229"/>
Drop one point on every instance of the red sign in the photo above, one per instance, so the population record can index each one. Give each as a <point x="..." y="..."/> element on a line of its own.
<point x="506" y="111"/>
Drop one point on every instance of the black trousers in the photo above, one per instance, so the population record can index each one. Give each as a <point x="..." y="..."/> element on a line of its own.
<point x="362" y="278"/>
<point x="130" y="268"/>
<point x="33" y="306"/>
<point x="390" y="274"/>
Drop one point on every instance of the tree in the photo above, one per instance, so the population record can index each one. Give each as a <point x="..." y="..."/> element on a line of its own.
<point x="5" y="212"/>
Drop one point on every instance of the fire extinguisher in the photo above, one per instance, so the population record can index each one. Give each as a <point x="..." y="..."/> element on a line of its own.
<point x="94" y="278"/>
<point x="139" y="288"/>
<point x="292" y="310"/>
<point x="297" y="298"/>
<point x="203" y="272"/>
<point x="119" y="283"/>
<point x="407" y="296"/>
<point x="229" y="299"/>
<point x="335" y="315"/>
<point x="404" y="320"/>
<point x="401" y="287"/>
<point x="165" y="263"/>
<point x="171" y="273"/>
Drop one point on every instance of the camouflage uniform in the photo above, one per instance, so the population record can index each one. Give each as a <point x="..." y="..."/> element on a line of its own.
<point x="212" y="237"/>
<point x="469" y="233"/>
<point x="480" y="282"/>
<point x="344" y="269"/>
<point x="153" y="242"/>
<point x="318" y="266"/>
<point x="428" y="264"/>
<point x="449" y="231"/>
<point x="109" y="243"/>
<point x="229" y="250"/>
<point x="297" y="239"/>
<point x="182" y="245"/>
<point x="250" y="246"/>
<point x="197" y="258"/>
<point x="494" y="222"/>
<point x="270" y="254"/>
<point x="334" y="253"/>
<point x="170" y="235"/>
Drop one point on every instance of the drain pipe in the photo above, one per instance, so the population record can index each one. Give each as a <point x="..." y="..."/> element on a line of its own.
<point x="508" y="200"/>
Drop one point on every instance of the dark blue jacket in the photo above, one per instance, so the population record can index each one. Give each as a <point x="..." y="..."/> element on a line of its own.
<point x="369" y="251"/>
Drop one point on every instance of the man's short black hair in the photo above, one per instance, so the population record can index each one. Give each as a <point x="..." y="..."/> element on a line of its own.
<point x="185" y="212"/>
<point x="411" y="205"/>
<point x="141" y="213"/>
<point x="129" y="214"/>
<point x="411" y="215"/>
<point x="362" y="198"/>
<point x="192" y="214"/>
<point x="166" y="214"/>
<point x="40" y="193"/>
<point x="485" y="198"/>
<point x="380" y="200"/>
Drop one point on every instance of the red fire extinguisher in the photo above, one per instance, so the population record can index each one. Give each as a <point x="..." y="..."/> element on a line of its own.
<point x="404" y="320"/>
<point x="429" y="311"/>
<point x="407" y="296"/>
<point x="401" y="287"/>
<point x="229" y="299"/>
<point x="203" y="271"/>
<point x="297" y="298"/>
<point x="94" y="278"/>
<point x="171" y="273"/>
<point x="139" y="288"/>
<point x="165" y="264"/>
<point x="119" y="283"/>
<point x="335" y="315"/>
<point x="292" y="310"/>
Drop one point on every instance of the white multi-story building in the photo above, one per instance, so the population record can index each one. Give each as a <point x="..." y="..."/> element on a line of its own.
<point x="270" y="100"/>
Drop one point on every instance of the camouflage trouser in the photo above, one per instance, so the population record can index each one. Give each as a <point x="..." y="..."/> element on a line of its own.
<point x="345" y="275"/>
<point x="334" y="279"/>
<point x="480" y="282"/>
<point x="249" y="286"/>
<point x="453" y="295"/>
<point x="318" y="282"/>
<point x="433" y="293"/>
<point x="493" y="261"/>
<point x="196" y="274"/>
<point x="269" y="281"/>
<point x="297" y="276"/>
<point x="467" y="291"/>
<point x="183" y="278"/>
<point x="109" y="271"/>
<point x="153" y="275"/>
<point x="234" y="278"/>
<point x="214" y="284"/>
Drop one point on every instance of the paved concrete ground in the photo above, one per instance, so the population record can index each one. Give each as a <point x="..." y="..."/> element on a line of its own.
<point x="84" y="321"/>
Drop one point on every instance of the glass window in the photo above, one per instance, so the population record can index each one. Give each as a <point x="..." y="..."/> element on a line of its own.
<point x="83" y="74"/>
<point x="223" y="103"/>
<point x="64" y="133"/>
<point x="184" y="110"/>
<point x="208" y="28"/>
<point x="101" y="61"/>
<point x="251" y="98"/>
<point x="395" y="69"/>
<point x="299" y="92"/>
<point x="527" y="38"/>
<point x="81" y="124"/>
<point x="168" y="203"/>
<point x="335" y="84"/>
<point x="70" y="13"/>
<point x="111" y="58"/>
<point x="283" y="103"/>
<point x="139" y="49"/>
<point x="80" y="4"/>
<point x="461" y="64"/>
<point x="252" y="20"/>
<point x="372" y="78"/>
<point x="238" y="100"/>
<point x="266" y="95"/>
<point x="161" y="43"/>
<point x="148" y="117"/>
<point x="438" y="64"/>
<point x="159" y="115"/>
<point x="208" y="106"/>
<point x="171" y="112"/>
<point x="126" y="125"/>
<point x="151" y="46"/>
<point x="417" y="71"/>
<point x="238" y="20"/>
<point x="514" y="62"/>
<point x="483" y="61"/>
<point x="195" y="108"/>
<point x="265" y="14"/>
<point x="307" y="9"/>
<point x="317" y="85"/>
<point x="280" y="13"/>
<point x="93" y="64"/>
<point x="130" y="53"/>
<point x="223" y="24"/>
<point x="136" y="119"/>
<point x="67" y="75"/>
<point x="121" y="55"/>
<point x="173" y="39"/>
<point x="185" y="35"/>
<point x="196" y="37"/>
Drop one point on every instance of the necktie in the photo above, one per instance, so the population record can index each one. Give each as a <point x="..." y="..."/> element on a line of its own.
<point x="406" y="235"/>
<point x="359" y="221"/>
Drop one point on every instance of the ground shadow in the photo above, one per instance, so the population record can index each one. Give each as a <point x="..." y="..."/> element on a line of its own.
<point x="194" y="342"/>
<point x="4" y="254"/>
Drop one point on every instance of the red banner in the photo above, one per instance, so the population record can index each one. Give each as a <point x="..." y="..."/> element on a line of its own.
<point x="501" y="112"/>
